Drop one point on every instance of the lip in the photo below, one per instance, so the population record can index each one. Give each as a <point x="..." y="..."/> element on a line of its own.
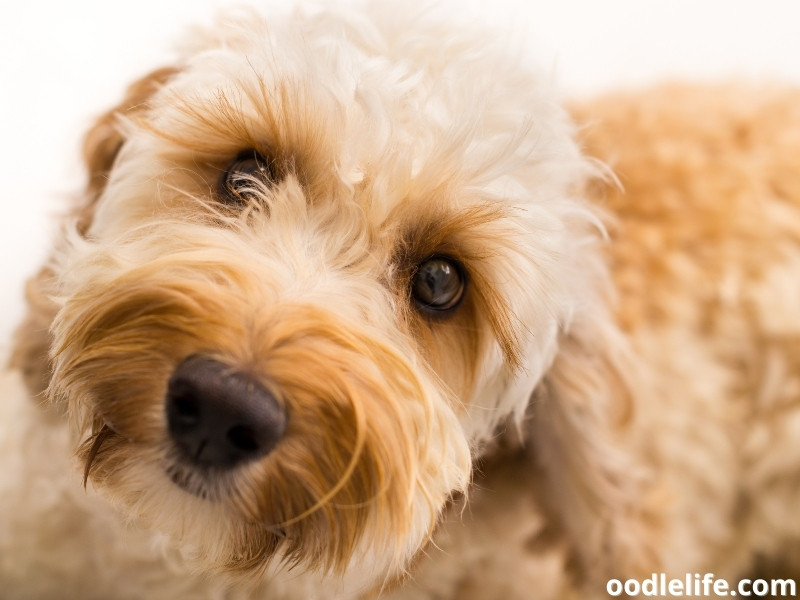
<point x="203" y="483"/>
<point x="189" y="481"/>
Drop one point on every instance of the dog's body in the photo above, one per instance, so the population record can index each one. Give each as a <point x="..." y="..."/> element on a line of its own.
<point x="406" y="266"/>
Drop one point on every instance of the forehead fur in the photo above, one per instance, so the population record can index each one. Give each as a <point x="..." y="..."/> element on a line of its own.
<point x="362" y="111"/>
<point x="365" y="101"/>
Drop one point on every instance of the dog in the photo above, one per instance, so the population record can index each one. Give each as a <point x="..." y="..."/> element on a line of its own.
<point x="352" y="307"/>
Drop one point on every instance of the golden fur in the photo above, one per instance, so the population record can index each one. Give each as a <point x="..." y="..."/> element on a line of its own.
<point x="595" y="407"/>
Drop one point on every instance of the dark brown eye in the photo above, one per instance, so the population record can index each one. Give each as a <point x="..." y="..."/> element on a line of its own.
<point x="438" y="283"/>
<point x="246" y="174"/>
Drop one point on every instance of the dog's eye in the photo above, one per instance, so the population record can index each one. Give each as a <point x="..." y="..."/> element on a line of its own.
<point x="438" y="283"/>
<point x="244" y="175"/>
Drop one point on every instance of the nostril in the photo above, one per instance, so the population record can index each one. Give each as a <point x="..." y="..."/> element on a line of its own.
<point x="244" y="438"/>
<point x="186" y="408"/>
<point x="220" y="417"/>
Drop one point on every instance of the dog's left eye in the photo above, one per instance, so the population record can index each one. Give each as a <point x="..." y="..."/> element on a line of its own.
<point x="438" y="283"/>
<point x="243" y="176"/>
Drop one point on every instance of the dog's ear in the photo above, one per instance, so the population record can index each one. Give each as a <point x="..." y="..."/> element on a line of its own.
<point x="583" y="412"/>
<point x="105" y="139"/>
<point x="30" y="352"/>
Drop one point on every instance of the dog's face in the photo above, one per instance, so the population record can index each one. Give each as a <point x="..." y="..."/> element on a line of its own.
<point x="328" y="260"/>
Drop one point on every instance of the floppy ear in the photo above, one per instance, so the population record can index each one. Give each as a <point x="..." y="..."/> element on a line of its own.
<point x="30" y="352"/>
<point x="104" y="140"/>
<point x="582" y="415"/>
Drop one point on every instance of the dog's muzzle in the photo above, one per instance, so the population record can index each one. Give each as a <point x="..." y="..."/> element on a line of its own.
<point x="220" y="417"/>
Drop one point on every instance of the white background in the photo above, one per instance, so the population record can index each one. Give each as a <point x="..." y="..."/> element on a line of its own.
<point x="61" y="63"/>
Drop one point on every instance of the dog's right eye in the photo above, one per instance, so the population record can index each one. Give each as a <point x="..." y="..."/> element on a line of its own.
<point x="246" y="174"/>
<point x="438" y="284"/>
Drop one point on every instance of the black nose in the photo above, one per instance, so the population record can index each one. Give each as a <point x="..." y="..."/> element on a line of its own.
<point x="219" y="417"/>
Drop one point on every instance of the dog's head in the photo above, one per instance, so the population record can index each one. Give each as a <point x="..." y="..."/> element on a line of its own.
<point x="320" y="260"/>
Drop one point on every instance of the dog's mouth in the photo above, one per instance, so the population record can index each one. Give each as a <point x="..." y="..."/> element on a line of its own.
<point x="190" y="479"/>
<point x="202" y="484"/>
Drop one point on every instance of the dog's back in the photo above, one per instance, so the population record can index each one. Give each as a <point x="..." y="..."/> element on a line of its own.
<point x="705" y="256"/>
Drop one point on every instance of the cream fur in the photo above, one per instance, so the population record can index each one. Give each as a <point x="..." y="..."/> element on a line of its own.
<point x="599" y="405"/>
